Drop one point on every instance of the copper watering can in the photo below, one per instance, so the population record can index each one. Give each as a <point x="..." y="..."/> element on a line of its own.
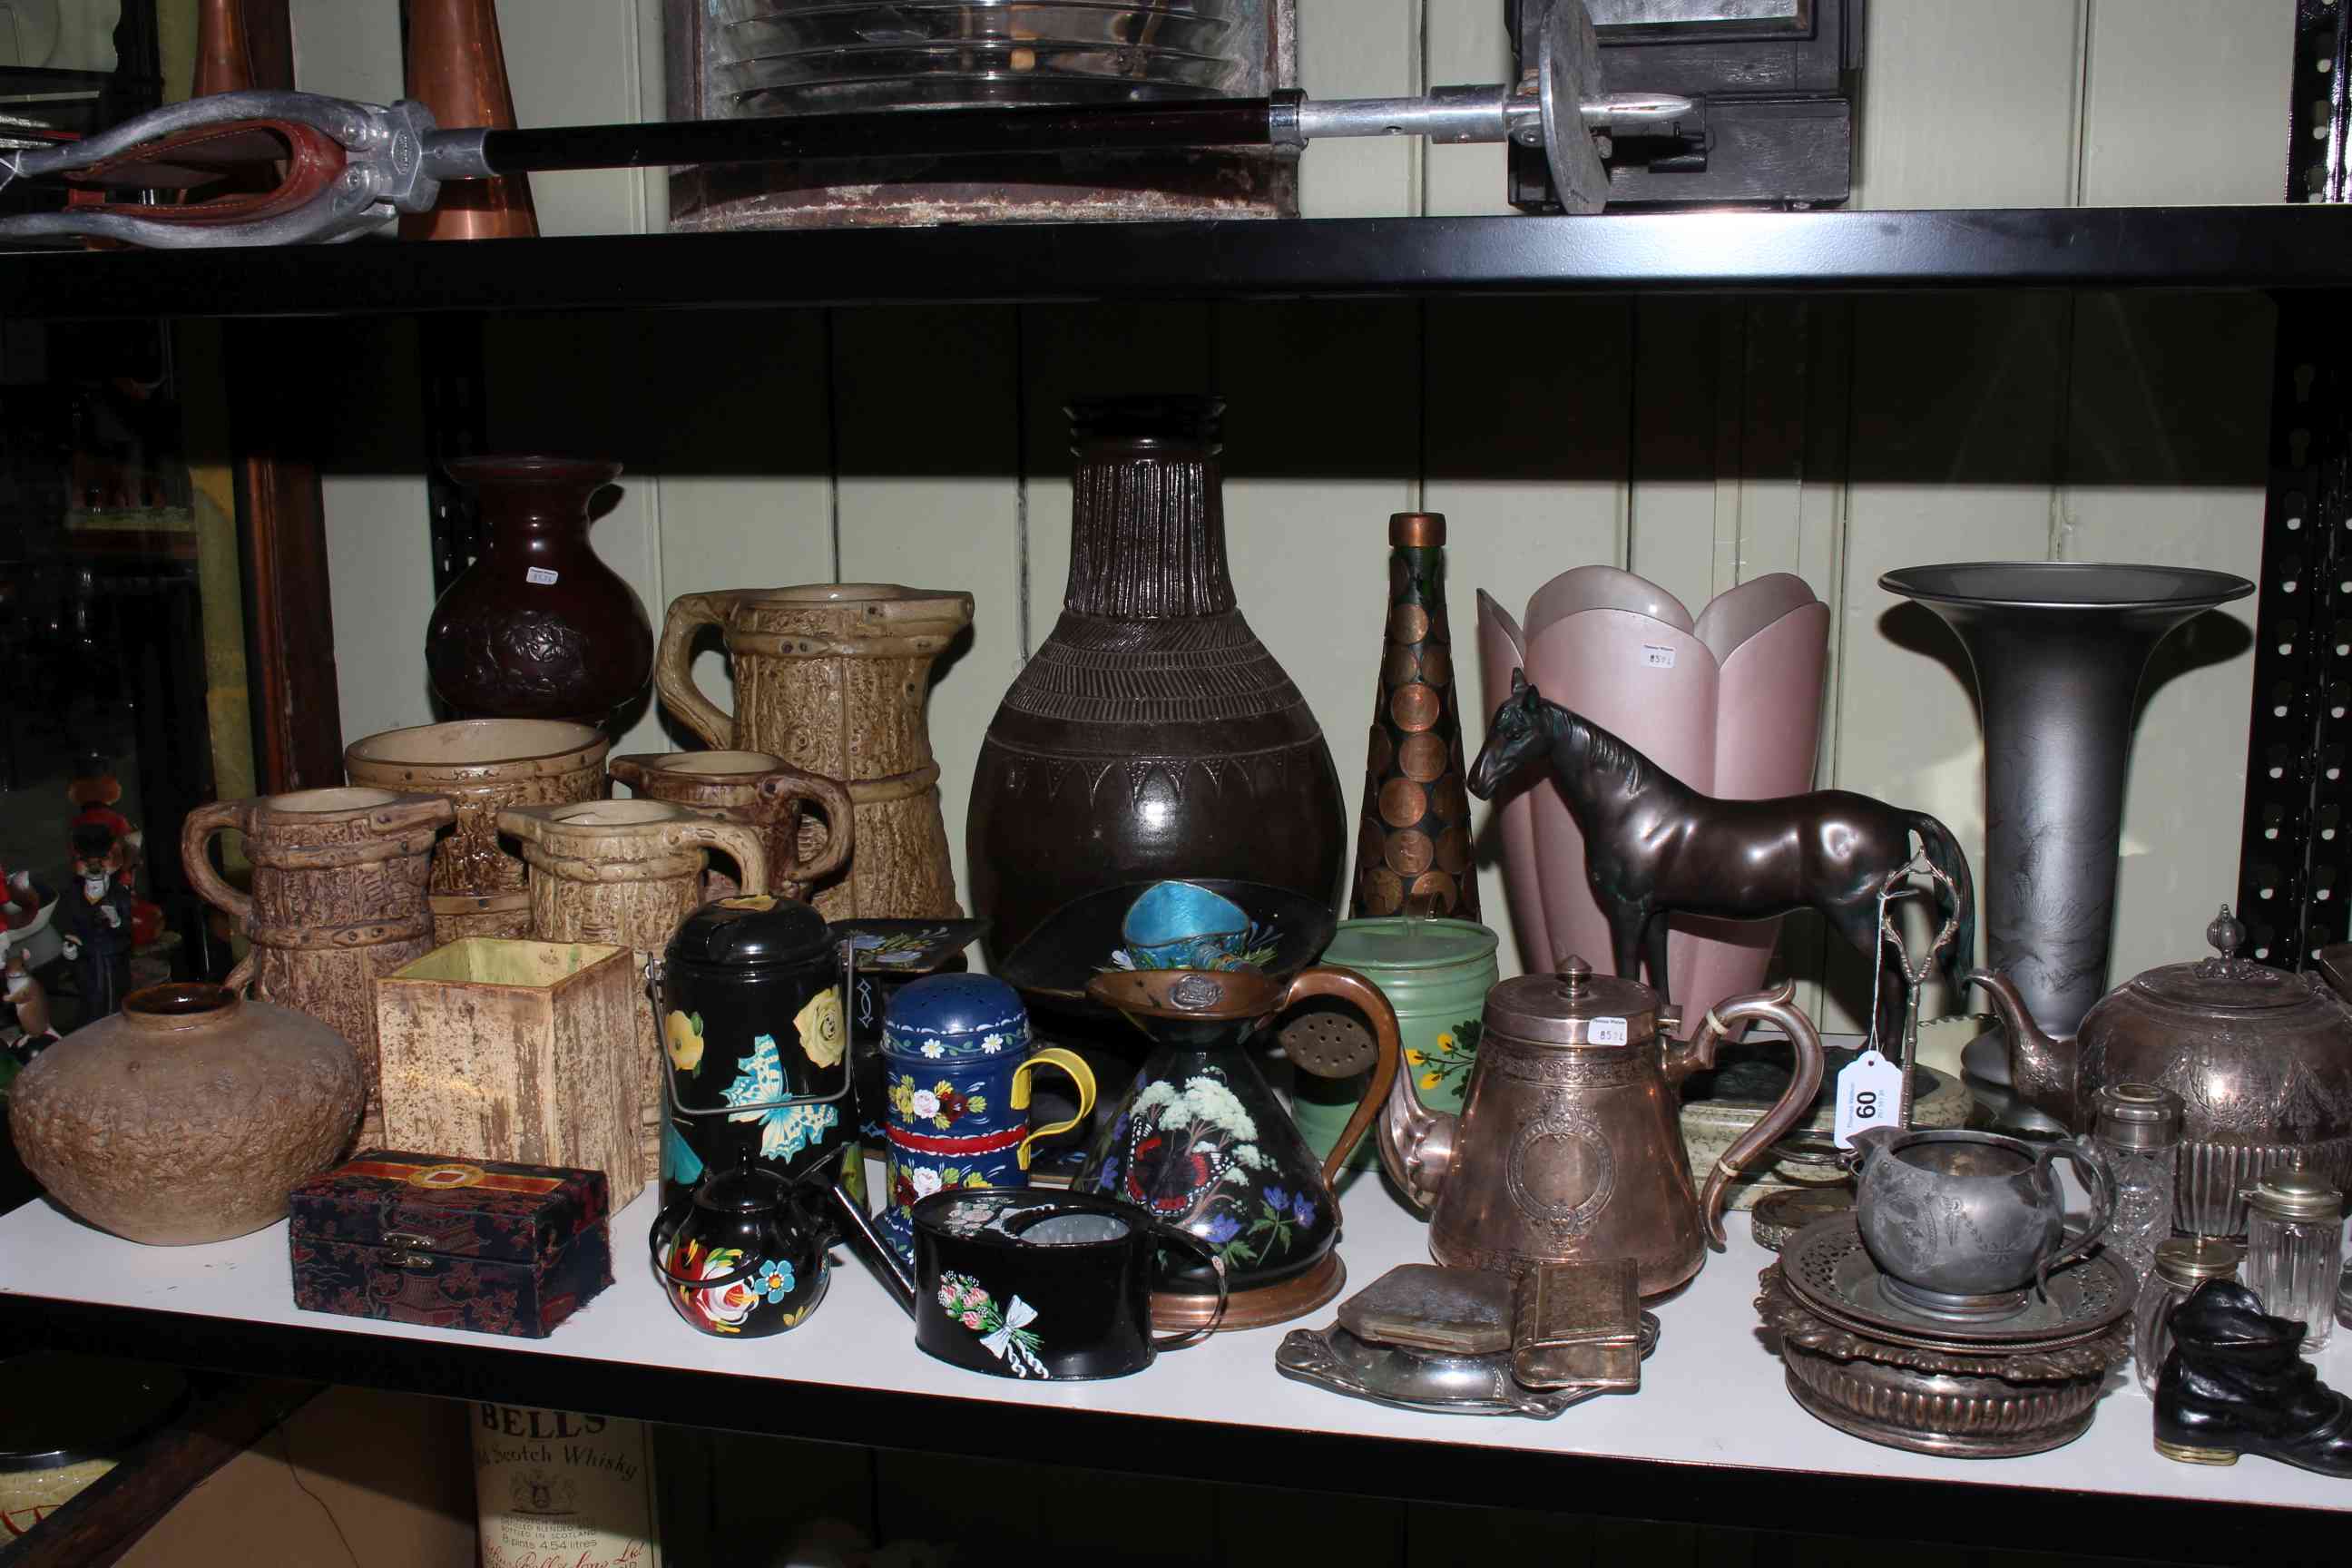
<point x="1567" y="1146"/>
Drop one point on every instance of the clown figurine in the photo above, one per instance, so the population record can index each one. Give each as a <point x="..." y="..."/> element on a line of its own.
<point x="96" y="794"/>
<point x="94" y="916"/>
<point x="31" y="1004"/>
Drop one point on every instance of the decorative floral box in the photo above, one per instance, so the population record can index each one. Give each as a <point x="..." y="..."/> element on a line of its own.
<point x="451" y="1244"/>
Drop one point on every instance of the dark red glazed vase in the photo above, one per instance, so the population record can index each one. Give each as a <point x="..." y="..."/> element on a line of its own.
<point x="538" y="627"/>
<point x="1151" y="735"/>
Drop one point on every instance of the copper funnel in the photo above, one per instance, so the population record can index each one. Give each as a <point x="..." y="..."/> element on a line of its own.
<point x="224" y="59"/>
<point x="458" y="70"/>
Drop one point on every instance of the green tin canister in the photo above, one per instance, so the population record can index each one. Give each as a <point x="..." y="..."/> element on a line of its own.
<point x="1436" y="974"/>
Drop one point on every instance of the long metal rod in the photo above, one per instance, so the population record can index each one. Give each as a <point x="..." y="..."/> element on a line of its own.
<point x="1286" y="119"/>
<point x="879" y="133"/>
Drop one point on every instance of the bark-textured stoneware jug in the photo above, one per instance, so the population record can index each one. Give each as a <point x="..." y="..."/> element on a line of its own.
<point x="339" y="897"/>
<point x="1567" y="1145"/>
<point x="833" y="678"/>
<point x="1151" y="735"/>
<point x="759" y="789"/>
<point x="483" y="766"/>
<point x="627" y="872"/>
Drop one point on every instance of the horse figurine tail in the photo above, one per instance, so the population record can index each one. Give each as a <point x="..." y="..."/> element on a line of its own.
<point x="1944" y="854"/>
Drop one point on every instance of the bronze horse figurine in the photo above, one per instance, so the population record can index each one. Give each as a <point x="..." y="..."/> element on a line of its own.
<point x="1654" y="846"/>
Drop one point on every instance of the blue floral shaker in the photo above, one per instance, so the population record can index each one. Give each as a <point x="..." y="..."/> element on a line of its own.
<point x="957" y="1060"/>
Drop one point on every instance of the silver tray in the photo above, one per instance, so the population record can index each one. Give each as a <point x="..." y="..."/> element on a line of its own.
<point x="1336" y="1359"/>
<point x="1829" y="1269"/>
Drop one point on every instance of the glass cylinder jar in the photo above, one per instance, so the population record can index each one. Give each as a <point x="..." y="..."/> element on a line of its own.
<point x="2294" y="1250"/>
<point x="2180" y="1265"/>
<point x="2139" y="1130"/>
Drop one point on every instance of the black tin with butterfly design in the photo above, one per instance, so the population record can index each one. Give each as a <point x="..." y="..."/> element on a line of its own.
<point x="751" y="996"/>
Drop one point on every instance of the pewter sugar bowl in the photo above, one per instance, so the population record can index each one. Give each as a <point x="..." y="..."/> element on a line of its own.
<point x="1567" y="1146"/>
<point x="2261" y="1058"/>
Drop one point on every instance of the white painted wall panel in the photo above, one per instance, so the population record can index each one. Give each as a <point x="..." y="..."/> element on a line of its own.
<point x="1464" y="43"/>
<point x="1971" y="104"/>
<point x="1360" y="49"/>
<point x="2169" y="96"/>
<point x="578" y="62"/>
<point x="928" y="402"/>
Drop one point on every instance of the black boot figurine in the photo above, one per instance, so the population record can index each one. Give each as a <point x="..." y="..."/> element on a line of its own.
<point x="2235" y="1383"/>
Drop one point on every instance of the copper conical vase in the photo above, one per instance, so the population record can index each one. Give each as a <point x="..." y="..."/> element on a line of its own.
<point x="224" y="58"/>
<point x="458" y="70"/>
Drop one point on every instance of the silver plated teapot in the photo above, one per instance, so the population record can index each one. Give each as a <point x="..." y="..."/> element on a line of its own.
<point x="1960" y="1223"/>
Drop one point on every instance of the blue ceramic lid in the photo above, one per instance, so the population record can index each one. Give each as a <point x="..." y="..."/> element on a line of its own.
<point x="751" y="929"/>
<point x="963" y="1015"/>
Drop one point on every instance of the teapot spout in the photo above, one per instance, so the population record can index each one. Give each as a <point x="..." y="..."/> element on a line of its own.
<point x="1416" y="1143"/>
<point x="857" y="1226"/>
<point x="2042" y="1069"/>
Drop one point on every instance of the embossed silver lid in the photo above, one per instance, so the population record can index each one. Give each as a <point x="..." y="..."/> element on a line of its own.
<point x="2294" y="1192"/>
<point x="2188" y="1261"/>
<point x="1573" y="1007"/>
<point x="2139" y="1115"/>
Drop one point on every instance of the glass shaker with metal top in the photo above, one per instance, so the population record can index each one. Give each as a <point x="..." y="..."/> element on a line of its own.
<point x="2294" y="1250"/>
<point x="2182" y="1265"/>
<point x="2139" y="1130"/>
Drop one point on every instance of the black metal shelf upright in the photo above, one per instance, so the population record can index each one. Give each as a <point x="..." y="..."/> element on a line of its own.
<point x="2294" y="872"/>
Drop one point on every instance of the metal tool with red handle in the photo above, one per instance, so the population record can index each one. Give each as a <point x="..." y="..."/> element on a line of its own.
<point x="345" y="168"/>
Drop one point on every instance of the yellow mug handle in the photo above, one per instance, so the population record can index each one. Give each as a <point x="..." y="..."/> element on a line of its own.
<point x="1081" y="1074"/>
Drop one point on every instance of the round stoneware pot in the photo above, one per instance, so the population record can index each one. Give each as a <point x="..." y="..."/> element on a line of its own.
<point x="188" y="1116"/>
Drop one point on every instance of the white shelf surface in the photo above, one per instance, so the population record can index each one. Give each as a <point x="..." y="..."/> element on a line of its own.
<point x="1711" y="1395"/>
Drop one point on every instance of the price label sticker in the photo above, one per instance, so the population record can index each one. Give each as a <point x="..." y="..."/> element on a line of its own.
<point x="541" y="576"/>
<point x="1869" y="1094"/>
<point x="1658" y="657"/>
<point x="1606" y="1031"/>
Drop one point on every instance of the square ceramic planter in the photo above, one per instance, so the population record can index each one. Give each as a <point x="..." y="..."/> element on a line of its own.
<point x="524" y="1051"/>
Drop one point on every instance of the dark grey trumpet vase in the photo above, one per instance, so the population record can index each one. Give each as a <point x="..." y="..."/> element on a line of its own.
<point x="2058" y="648"/>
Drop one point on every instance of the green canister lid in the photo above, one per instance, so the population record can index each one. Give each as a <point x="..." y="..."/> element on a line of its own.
<point x="1394" y="945"/>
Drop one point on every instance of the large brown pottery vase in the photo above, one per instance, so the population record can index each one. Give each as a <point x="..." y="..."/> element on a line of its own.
<point x="762" y="791"/>
<point x="538" y="627"/>
<point x="186" y="1117"/>
<point x="483" y="766"/>
<point x="625" y="872"/>
<point x="1151" y="735"/>
<point x="833" y="676"/>
<point x="339" y="897"/>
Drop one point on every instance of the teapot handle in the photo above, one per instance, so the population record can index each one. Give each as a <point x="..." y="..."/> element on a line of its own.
<point x="1176" y="1236"/>
<point x="660" y="1233"/>
<point x="2098" y="1181"/>
<point x="1347" y="986"/>
<point x="1778" y="1007"/>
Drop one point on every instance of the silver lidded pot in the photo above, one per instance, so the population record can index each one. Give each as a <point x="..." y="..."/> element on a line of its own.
<point x="2261" y="1059"/>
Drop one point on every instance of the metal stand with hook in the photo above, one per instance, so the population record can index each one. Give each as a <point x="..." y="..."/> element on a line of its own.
<point x="1898" y="885"/>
